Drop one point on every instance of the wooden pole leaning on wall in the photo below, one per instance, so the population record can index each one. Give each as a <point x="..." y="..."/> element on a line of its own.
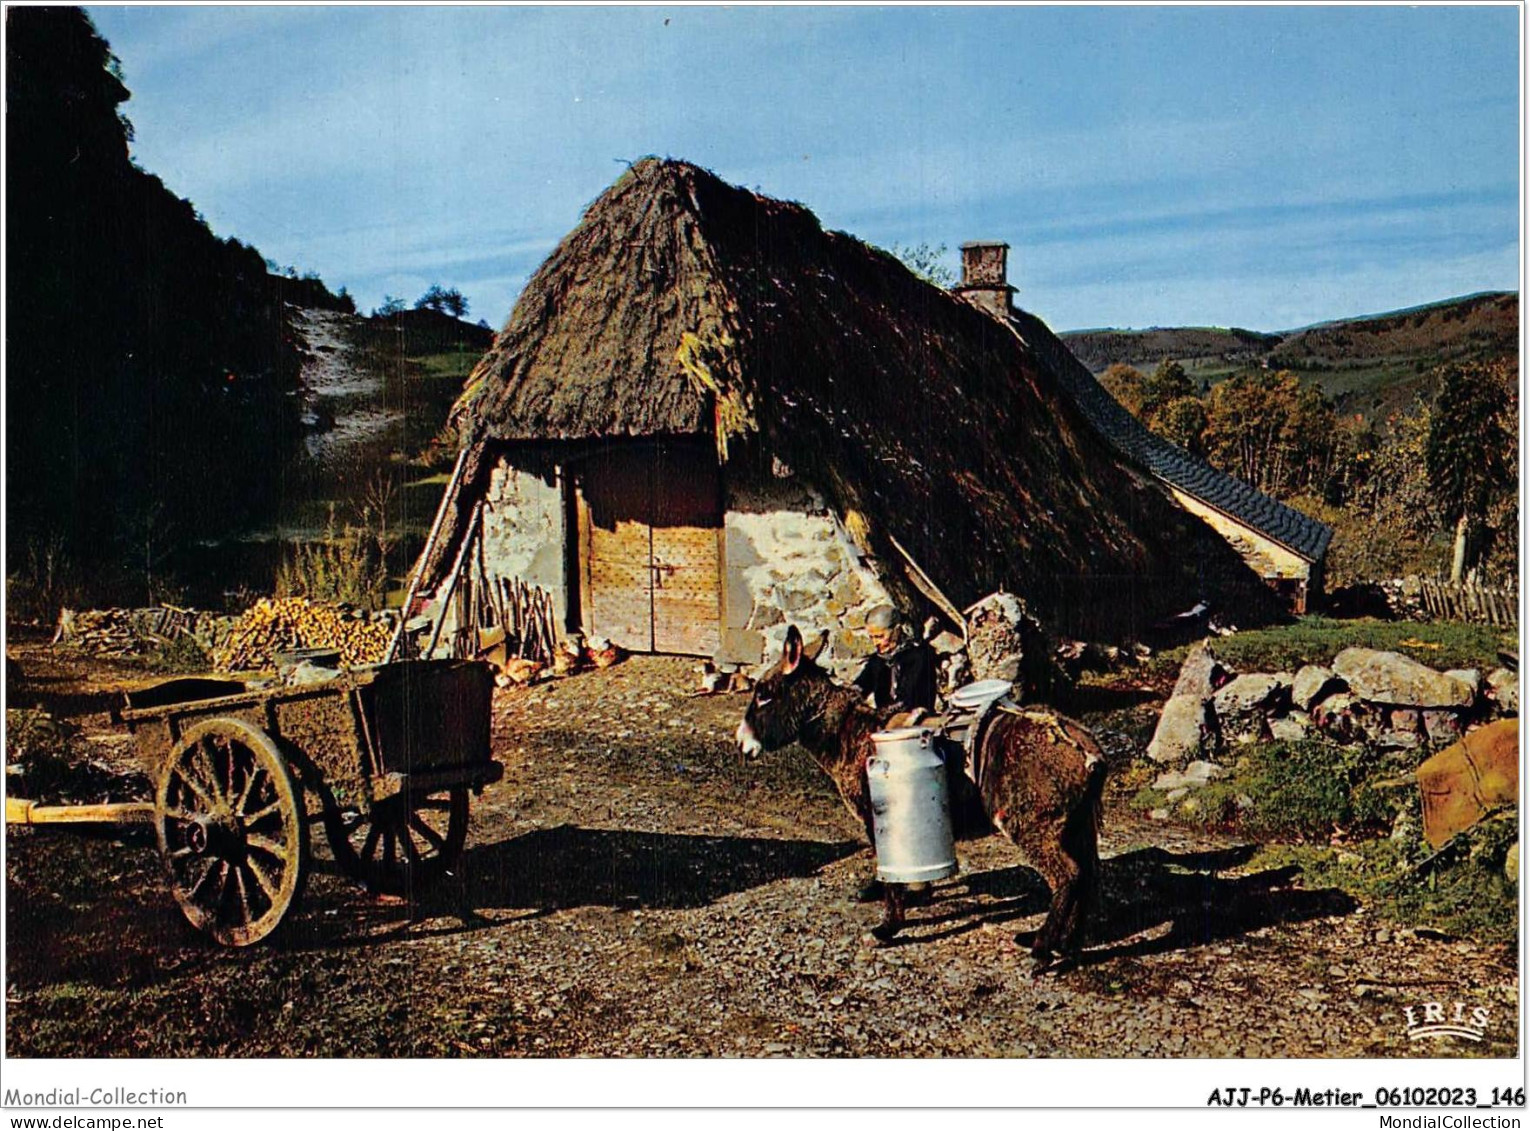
<point x="430" y="542"/>
<point x="468" y="535"/>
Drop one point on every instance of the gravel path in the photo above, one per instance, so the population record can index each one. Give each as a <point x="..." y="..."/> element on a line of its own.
<point x="632" y="889"/>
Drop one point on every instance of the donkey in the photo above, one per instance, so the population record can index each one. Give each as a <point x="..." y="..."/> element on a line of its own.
<point x="1039" y="781"/>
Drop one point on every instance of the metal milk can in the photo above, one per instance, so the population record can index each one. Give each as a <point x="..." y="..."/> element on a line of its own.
<point x="911" y="814"/>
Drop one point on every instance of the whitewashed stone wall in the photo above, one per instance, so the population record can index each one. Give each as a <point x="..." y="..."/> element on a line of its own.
<point x="524" y="530"/>
<point x="790" y="561"/>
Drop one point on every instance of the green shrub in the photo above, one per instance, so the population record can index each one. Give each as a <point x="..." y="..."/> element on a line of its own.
<point x="1293" y="791"/>
<point x="344" y="567"/>
<point x="1460" y="891"/>
<point x="1317" y="640"/>
<point x="179" y="654"/>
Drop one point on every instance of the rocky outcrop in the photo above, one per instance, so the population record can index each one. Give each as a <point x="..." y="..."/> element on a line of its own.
<point x="1383" y="699"/>
<point x="1503" y="687"/>
<point x="1389" y="677"/>
<point x="1006" y="641"/>
<point x="1311" y="684"/>
<point x="1187" y="722"/>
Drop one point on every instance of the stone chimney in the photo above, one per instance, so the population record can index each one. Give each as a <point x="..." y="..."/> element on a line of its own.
<point x="985" y="277"/>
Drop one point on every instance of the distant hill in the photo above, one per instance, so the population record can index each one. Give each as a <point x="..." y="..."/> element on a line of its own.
<point x="151" y="374"/>
<point x="1100" y="349"/>
<point x="430" y="331"/>
<point x="1370" y="364"/>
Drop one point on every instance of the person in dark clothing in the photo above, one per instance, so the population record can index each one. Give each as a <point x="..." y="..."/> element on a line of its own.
<point x="900" y="675"/>
<point x="902" y="672"/>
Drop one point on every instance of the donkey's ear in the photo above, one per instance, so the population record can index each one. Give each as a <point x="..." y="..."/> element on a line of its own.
<point x="815" y="649"/>
<point x="791" y="651"/>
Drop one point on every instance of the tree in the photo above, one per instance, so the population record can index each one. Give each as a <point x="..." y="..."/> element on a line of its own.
<point x="1271" y="431"/>
<point x="390" y="306"/>
<point x="443" y="301"/>
<point x="1127" y="385"/>
<point x="1467" y="453"/>
<point x="1169" y="382"/>
<point x="927" y="262"/>
<point x="1182" y="421"/>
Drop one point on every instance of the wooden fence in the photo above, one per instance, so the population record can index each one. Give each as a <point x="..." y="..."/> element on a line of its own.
<point x="1467" y="601"/>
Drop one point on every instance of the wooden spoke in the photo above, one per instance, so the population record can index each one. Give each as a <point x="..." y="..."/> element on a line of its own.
<point x="373" y="831"/>
<point x="203" y="759"/>
<point x="267" y="885"/>
<point x="406" y="843"/>
<point x="244" y="794"/>
<point x="185" y="777"/>
<point x="266" y="844"/>
<point x="243" y="894"/>
<point x="231" y="881"/>
<point x="437" y="840"/>
<point x="261" y="814"/>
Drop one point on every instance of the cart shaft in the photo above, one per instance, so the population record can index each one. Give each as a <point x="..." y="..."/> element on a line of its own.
<point x="19" y="812"/>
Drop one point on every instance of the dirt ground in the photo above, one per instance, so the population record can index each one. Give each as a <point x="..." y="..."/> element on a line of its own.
<point x="632" y="888"/>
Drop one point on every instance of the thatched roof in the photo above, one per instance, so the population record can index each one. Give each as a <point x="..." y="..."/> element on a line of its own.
<point x="683" y="305"/>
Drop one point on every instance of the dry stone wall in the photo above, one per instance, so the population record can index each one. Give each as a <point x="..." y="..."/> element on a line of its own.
<point x="1384" y="699"/>
<point x="791" y="561"/>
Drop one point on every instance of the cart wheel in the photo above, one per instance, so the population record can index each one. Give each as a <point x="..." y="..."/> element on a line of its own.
<point x="232" y="831"/>
<point x="410" y="842"/>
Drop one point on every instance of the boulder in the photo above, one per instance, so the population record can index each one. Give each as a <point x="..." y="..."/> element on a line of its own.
<point x="1182" y="728"/>
<point x="1397" y="740"/>
<point x="1312" y="684"/>
<point x="1248" y="694"/>
<point x="1389" y="677"/>
<point x="1201" y="673"/>
<point x="1005" y="641"/>
<point x="1339" y="717"/>
<point x="946" y="643"/>
<point x="1443" y="726"/>
<point x="1290" y="728"/>
<point x="1469" y="676"/>
<point x="1503" y="686"/>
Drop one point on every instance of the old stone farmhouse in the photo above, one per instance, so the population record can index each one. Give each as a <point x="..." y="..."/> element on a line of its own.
<point x="707" y="418"/>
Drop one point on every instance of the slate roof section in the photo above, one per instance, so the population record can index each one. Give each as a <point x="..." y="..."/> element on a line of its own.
<point x="1190" y="474"/>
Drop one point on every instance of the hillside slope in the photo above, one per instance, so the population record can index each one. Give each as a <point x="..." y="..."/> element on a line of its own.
<point x="1371" y="364"/>
<point x="151" y="370"/>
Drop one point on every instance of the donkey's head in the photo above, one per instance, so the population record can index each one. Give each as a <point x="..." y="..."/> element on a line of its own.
<point x="788" y="698"/>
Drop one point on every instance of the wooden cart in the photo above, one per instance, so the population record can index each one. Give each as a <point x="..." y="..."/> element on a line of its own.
<point x="382" y="759"/>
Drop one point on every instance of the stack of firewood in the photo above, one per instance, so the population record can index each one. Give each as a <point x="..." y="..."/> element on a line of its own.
<point x="112" y="633"/>
<point x="274" y="625"/>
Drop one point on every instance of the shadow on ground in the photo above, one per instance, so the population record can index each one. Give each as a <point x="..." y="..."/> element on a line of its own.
<point x="568" y="866"/>
<point x="1140" y="891"/>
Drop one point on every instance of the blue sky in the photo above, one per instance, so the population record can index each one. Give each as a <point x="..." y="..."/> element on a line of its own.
<point x="1258" y="167"/>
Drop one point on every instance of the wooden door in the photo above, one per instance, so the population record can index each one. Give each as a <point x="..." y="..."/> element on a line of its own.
<point x="651" y="526"/>
<point x="687" y="556"/>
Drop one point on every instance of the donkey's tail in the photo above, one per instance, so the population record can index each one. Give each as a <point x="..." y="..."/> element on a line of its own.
<point x="1082" y="834"/>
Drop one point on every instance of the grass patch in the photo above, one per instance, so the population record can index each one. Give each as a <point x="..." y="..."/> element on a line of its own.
<point x="1297" y="791"/>
<point x="1462" y="893"/>
<point x="1319" y="806"/>
<point x="1317" y="640"/>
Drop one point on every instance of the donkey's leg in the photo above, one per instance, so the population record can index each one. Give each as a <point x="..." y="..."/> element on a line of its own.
<point x="856" y="793"/>
<point x="893" y="901"/>
<point x="1062" y="872"/>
